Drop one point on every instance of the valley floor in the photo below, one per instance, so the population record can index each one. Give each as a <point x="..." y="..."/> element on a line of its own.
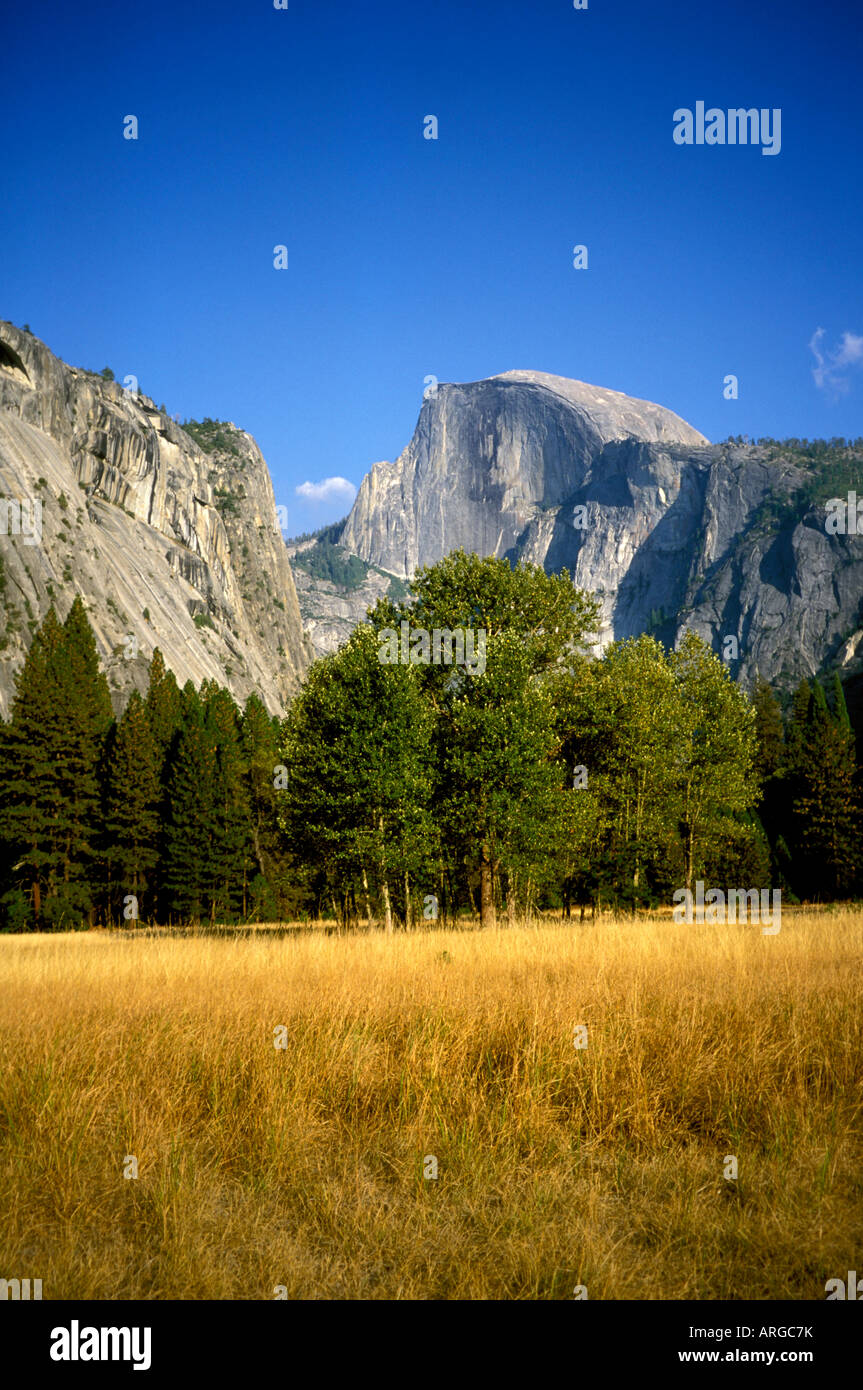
<point x="308" y="1167"/>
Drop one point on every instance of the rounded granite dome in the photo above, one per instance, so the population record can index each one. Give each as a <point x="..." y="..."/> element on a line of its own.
<point x="612" y="414"/>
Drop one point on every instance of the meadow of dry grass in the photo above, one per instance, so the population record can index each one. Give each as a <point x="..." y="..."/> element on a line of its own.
<point x="557" y="1166"/>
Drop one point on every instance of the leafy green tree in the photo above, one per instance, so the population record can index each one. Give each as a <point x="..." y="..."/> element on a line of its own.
<point x="624" y="719"/>
<point x="356" y="753"/>
<point x="501" y="788"/>
<point x="496" y="788"/>
<point x="717" y="750"/>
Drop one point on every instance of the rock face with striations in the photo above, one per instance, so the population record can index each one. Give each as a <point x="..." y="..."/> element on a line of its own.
<point x="170" y="546"/>
<point x="669" y="531"/>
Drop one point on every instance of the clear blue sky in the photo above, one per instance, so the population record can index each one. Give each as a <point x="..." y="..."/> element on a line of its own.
<point x="409" y="257"/>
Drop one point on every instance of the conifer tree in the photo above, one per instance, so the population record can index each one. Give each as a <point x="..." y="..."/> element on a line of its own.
<point x="231" y="848"/>
<point x="132" y="809"/>
<point x="88" y="719"/>
<point x="840" y="708"/>
<point x="769" y="731"/>
<point x="189" y="872"/>
<point x="162" y="703"/>
<point x="795" y="737"/>
<point x="825" y="829"/>
<point x="28" y="795"/>
<point x="51" y="811"/>
<point x="261" y="757"/>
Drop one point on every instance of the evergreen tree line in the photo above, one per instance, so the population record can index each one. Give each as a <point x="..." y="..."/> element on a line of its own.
<point x="166" y="814"/>
<point x="408" y="791"/>
<point x="811" y="803"/>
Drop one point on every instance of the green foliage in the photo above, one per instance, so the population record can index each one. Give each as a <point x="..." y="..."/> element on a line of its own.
<point x="227" y="502"/>
<point x="541" y="774"/>
<point x="212" y="435"/>
<point x="398" y="590"/>
<point x="333" y="563"/>
<point x="356" y="749"/>
<point x="831" y="468"/>
<point x="50" y="794"/>
<point x="823" y="830"/>
<point x="188" y="879"/>
<point x="132" y="810"/>
<point x="499" y="800"/>
<point x="331" y="534"/>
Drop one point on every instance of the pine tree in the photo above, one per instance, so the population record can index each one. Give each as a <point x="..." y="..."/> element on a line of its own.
<point x="88" y="719"/>
<point x="189" y="872"/>
<point x="51" y="811"/>
<point x="261" y="757"/>
<point x="132" y="809"/>
<point x="28" y="802"/>
<point x="826" y="814"/>
<point x="797" y="726"/>
<point x="232" y="847"/>
<point x="840" y="708"/>
<point x="163" y="703"/>
<point x="769" y="731"/>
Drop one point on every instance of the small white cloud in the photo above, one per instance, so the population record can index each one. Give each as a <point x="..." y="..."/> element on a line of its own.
<point x="851" y="349"/>
<point x="827" y="374"/>
<point x="330" y="490"/>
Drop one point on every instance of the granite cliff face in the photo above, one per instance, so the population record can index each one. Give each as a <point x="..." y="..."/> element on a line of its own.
<point x="486" y="459"/>
<point x="669" y="531"/>
<point x="169" y="545"/>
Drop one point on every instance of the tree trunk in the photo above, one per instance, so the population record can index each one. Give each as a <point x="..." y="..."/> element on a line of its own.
<point x="388" y="911"/>
<point x="470" y="894"/>
<point x="366" y="898"/>
<point x="486" y="912"/>
<point x="407" y="902"/>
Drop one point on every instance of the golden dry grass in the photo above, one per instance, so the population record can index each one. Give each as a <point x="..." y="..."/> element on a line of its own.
<point x="557" y="1166"/>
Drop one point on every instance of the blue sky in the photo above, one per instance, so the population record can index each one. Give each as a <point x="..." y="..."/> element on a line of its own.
<point x="452" y="257"/>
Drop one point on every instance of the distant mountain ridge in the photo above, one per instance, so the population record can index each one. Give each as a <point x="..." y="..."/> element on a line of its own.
<point x="670" y="531"/>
